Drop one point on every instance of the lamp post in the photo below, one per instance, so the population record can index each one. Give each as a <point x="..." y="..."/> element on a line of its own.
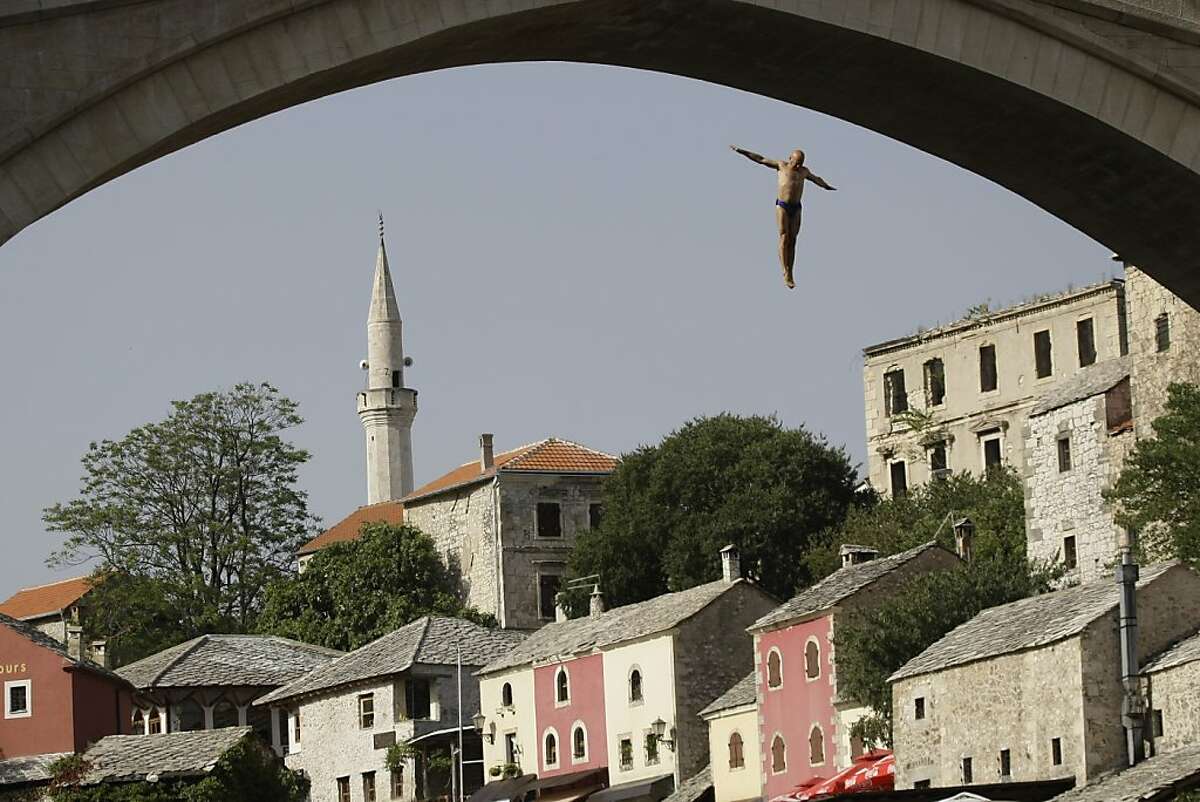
<point x="658" y="728"/>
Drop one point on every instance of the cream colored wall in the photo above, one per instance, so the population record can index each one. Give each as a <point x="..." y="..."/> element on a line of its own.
<point x="731" y="785"/>
<point x="655" y="658"/>
<point x="520" y="718"/>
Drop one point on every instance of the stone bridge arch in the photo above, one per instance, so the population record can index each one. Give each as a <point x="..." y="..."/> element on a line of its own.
<point x="1088" y="108"/>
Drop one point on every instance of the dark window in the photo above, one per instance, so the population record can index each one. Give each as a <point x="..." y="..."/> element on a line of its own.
<point x="579" y="744"/>
<point x="1064" y="454"/>
<point x="1056" y="751"/>
<point x="938" y="464"/>
<point x="562" y="686"/>
<point x="812" y="660"/>
<point x="366" y="711"/>
<point x="1156" y="723"/>
<point x="510" y="747"/>
<point x="919" y="708"/>
<point x="397" y="783"/>
<point x="1162" y="332"/>
<point x="549" y="519"/>
<point x="651" y="746"/>
<point x="635" y="686"/>
<point x="921" y="784"/>
<point x="774" y="670"/>
<point x="548" y="585"/>
<point x="551" y="749"/>
<point x="416" y="698"/>
<point x="1005" y="764"/>
<point x="1041" y="353"/>
<point x="156" y="723"/>
<point x="778" y="755"/>
<point x="991" y="453"/>
<point x="935" y="383"/>
<point x="895" y="397"/>
<point x="506" y="695"/>
<point x="899" y="479"/>
<point x="395" y="378"/>
<point x="343" y="786"/>
<point x="987" y="368"/>
<point x="816" y="747"/>
<point x="1085" y="335"/>
<point x="1069" y="557"/>
<point x="18" y="699"/>
<point x="595" y="515"/>
<point x="968" y="771"/>
<point x="737" y="758"/>
<point x="368" y="786"/>
<point x="626" y="753"/>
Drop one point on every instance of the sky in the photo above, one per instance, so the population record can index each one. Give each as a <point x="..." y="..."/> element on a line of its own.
<point x="576" y="254"/>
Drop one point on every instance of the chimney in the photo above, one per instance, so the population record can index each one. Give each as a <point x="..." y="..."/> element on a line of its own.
<point x="731" y="564"/>
<point x="964" y="539"/>
<point x="597" y="602"/>
<point x="560" y="609"/>
<point x="1133" y="703"/>
<point x="852" y="554"/>
<point x="487" y="457"/>
<point x="75" y="641"/>
<point x="98" y="651"/>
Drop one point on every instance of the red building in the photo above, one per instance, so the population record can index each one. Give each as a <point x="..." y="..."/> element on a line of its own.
<point x="569" y="699"/>
<point x="54" y="702"/>
<point x="804" y="725"/>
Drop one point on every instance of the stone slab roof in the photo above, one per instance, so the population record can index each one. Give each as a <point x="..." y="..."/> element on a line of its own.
<point x="40" y="638"/>
<point x="1094" y="380"/>
<point x="1185" y="651"/>
<point x="693" y="788"/>
<point x="743" y="693"/>
<point x="350" y="527"/>
<point x="1025" y="624"/>
<point x="632" y="621"/>
<point x="264" y="661"/>
<point x="25" y="770"/>
<point x="429" y="641"/>
<point x="837" y="587"/>
<point x="1157" y="778"/>
<point x="43" y="600"/>
<point x="130" y="758"/>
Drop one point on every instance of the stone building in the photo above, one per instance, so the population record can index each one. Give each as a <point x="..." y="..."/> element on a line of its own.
<point x="211" y="682"/>
<point x="59" y="609"/>
<point x="1032" y="690"/>
<point x="733" y="743"/>
<point x="1164" y="340"/>
<point x="1076" y="440"/>
<point x="954" y="398"/>
<point x="803" y="722"/>
<point x="1173" y="679"/>
<point x="621" y="690"/>
<point x="401" y="689"/>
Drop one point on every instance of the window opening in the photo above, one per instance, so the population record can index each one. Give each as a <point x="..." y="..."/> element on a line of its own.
<point x="737" y="758"/>
<point x="1005" y="764"/>
<point x="551" y="749"/>
<point x="935" y="383"/>
<point x="366" y="711"/>
<point x="939" y="466"/>
<point x="506" y="696"/>
<point x="899" y="477"/>
<point x="562" y="686"/>
<point x="635" y="686"/>
<point x="992" y="457"/>
<point x="1085" y="336"/>
<point x="895" y="397"/>
<point x="816" y="747"/>
<point x="919" y="708"/>
<point x="1064" y="454"/>
<point x="595" y="515"/>
<point x="774" y="669"/>
<point x="651" y="745"/>
<point x="549" y="519"/>
<point x="368" y="782"/>
<point x="1156" y="725"/>
<point x="398" y="783"/>
<point x="1162" y="333"/>
<point x="343" y="789"/>
<point x="579" y="744"/>
<point x="1070" y="559"/>
<point x="968" y="771"/>
<point x="1041" y="353"/>
<point x="987" y="369"/>
<point x="778" y="755"/>
<point x="1056" y="751"/>
<point x="625" y="751"/>
<point x="417" y="698"/>
<point x="548" y="585"/>
<point x="812" y="660"/>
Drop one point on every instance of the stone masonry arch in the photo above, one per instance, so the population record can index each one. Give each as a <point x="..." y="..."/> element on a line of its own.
<point x="1088" y="108"/>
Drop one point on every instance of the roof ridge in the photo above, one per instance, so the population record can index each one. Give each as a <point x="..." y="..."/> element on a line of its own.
<point x="534" y="448"/>
<point x="52" y="584"/>
<point x="192" y="645"/>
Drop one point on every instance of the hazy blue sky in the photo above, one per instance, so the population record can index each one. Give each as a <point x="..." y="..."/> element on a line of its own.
<point x="576" y="253"/>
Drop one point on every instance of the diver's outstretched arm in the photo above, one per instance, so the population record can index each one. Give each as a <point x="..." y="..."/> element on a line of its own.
<point x="754" y="157"/>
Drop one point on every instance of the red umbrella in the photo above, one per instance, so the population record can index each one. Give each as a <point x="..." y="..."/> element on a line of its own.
<point x="877" y="775"/>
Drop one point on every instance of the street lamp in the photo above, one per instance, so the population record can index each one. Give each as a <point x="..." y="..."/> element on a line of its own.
<point x="658" y="728"/>
<point x="478" y="720"/>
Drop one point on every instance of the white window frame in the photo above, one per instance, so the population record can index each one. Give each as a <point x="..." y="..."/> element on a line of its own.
<point x="627" y="736"/>
<point x="816" y="727"/>
<point x="546" y="764"/>
<point x="777" y="736"/>
<point x="729" y="744"/>
<point x="587" y="747"/>
<point x="363" y="697"/>
<point x="985" y="438"/>
<point x="562" y="702"/>
<point x="27" y="684"/>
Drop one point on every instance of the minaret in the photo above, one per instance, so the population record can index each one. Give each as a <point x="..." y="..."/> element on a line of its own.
<point x="386" y="407"/>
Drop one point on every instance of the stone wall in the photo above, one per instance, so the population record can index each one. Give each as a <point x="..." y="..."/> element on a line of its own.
<point x="1175" y="695"/>
<point x="462" y="525"/>
<point x="1154" y="371"/>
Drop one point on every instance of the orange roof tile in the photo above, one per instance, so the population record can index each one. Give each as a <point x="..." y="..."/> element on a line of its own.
<point x="44" y="600"/>
<point x="391" y="512"/>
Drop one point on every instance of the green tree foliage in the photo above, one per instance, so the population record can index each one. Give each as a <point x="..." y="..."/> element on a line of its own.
<point x="1158" y="492"/>
<point x="135" y="615"/>
<point x="203" y="505"/>
<point x="356" y="591"/>
<point x="670" y="508"/>
<point x="873" y="642"/>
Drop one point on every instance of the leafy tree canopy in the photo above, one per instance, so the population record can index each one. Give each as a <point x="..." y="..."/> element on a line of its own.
<point x="1158" y="492"/>
<point x="670" y="508"/>
<point x="200" y="511"/>
<point x="356" y="591"/>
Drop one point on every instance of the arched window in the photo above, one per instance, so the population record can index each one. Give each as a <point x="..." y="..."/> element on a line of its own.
<point x="812" y="659"/>
<point x="816" y="746"/>
<point x="562" y="686"/>
<point x="778" y="755"/>
<point x="579" y="743"/>
<point x="138" y="721"/>
<point x="635" y="685"/>
<point x="551" y="750"/>
<point x="506" y="695"/>
<point x="774" y="669"/>
<point x="737" y="759"/>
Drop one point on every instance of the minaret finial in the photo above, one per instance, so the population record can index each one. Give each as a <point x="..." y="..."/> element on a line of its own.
<point x="381" y="225"/>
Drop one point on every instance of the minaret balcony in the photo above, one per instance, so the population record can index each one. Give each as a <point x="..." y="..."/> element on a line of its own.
<point x="399" y="398"/>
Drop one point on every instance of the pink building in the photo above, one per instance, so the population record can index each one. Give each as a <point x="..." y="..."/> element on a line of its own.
<point x="569" y="701"/>
<point x="803" y="726"/>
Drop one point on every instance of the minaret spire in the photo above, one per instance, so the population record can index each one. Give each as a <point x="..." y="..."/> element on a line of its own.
<point x="386" y="407"/>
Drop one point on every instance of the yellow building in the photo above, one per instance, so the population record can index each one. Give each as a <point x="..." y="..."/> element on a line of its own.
<point x="733" y="743"/>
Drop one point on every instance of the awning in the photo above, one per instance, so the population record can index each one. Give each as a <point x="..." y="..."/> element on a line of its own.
<point x="467" y="729"/>
<point x="655" y="788"/>
<point x="512" y="789"/>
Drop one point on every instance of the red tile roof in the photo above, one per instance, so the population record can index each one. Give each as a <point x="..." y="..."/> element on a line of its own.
<point x="391" y="512"/>
<point x="45" y="600"/>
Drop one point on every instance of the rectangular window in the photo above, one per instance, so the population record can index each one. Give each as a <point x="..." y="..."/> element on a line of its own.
<point x="1162" y="332"/>
<point x="548" y="585"/>
<point x="1064" y="454"/>
<point x="992" y="455"/>
<point x="626" y="753"/>
<point x="595" y="515"/>
<point x="935" y="383"/>
<point x="549" y="519"/>
<point x="343" y="789"/>
<point x="296" y="729"/>
<point x="1056" y="751"/>
<point x="17" y="702"/>
<point x="398" y="783"/>
<point x="651" y="749"/>
<point x="939" y="466"/>
<point x="1085" y="336"/>
<point x="895" y="397"/>
<point x="416" y="698"/>
<point x="968" y="771"/>
<point x="368" y="786"/>
<point x="987" y="369"/>
<point x="919" y="708"/>
<point x="1005" y="764"/>
<point x="899" y="479"/>
<point x="366" y="711"/>
<point x="1069" y="557"/>
<point x="510" y="747"/>
<point x="1156" y="723"/>
<point x="1041" y="353"/>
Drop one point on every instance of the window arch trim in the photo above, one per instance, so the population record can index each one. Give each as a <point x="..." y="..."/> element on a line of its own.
<point x="562" y="687"/>
<point x="777" y="738"/>
<point x="740" y="765"/>
<point x="547" y="734"/>
<point x="820" y="733"/>
<point x="579" y="727"/>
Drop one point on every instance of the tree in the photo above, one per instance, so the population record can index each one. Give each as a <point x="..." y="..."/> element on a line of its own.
<point x="134" y="614"/>
<point x="874" y="641"/>
<point x="201" y="510"/>
<point x="670" y="508"/>
<point x="1158" y="491"/>
<point x="356" y="591"/>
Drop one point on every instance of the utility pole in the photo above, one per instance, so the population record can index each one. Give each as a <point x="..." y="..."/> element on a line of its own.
<point x="461" y="756"/>
<point x="1133" y="706"/>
